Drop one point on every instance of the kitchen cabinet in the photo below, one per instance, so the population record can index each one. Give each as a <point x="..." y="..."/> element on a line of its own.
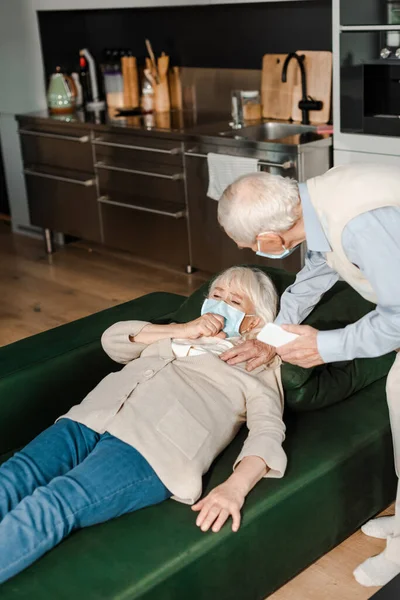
<point x="142" y="196"/>
<point x="123" y="189"/>
<point x="145" y="191"/>
<point x="60" y="179"/>
<point x="64" y="204"/>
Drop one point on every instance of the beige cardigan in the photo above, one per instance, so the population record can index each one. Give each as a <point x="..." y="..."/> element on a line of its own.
<point x="180" y="413"/>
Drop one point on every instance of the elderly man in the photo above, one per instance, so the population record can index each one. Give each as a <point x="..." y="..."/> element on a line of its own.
<point x="350" y="219"/>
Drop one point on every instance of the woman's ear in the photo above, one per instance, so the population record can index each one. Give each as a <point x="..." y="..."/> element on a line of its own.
<point x="256" y="321"/>
<point x="250" y="323"/>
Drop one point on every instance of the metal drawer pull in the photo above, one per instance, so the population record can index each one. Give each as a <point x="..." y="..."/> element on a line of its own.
<point x="195" y="154"/>
<point x="176" y="215"/>
<point x="261" y="163"/>
<point x="68" y="138"/>
<point x="87" y="183"/>
<point x="285" y="165"/>
<point x="100" y="142"/>
<point x="175" y="177"/>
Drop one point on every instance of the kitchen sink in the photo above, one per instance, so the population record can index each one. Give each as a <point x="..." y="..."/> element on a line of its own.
<point x="267" y="131"/>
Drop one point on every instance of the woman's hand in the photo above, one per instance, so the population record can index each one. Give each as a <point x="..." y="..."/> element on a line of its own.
<point x="209" y="325"/>
<point x="254" y="352"/>
<point x="223" y="501"/>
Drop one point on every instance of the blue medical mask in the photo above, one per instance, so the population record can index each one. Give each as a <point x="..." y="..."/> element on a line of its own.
<point x="233" y="316"/>
<point x="286" y="251"/>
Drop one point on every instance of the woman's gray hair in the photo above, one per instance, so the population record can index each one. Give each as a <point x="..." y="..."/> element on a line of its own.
<point x="255" y="284"/>
<point x="256" y="203"/>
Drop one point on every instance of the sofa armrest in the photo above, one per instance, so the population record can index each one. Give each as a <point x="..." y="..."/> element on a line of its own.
<point x="42" y="376"/>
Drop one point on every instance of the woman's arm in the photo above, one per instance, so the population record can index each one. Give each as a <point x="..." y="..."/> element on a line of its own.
<point x="126" y="340"/>
<point x="228" y="498"/>
<point x="207" y="325"/>
<point x="116" y="341"/>
<point x="153" y="333"/>
<point x="262" y="455"/>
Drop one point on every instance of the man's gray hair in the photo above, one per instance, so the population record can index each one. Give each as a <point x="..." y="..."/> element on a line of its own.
<point x="256" y="203"/>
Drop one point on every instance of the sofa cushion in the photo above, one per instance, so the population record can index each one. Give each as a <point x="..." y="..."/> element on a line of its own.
<point x="309" y="389"/>
<point x="340" y="473"/>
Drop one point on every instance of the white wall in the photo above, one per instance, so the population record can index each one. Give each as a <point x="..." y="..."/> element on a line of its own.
<point x="21" y="90"/>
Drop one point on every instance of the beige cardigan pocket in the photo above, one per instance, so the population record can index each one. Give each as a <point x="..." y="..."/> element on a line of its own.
<point x="183" y="430"/>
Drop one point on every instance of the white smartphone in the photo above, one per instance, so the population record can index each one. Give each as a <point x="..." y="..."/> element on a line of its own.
<point x="275" y="336"/>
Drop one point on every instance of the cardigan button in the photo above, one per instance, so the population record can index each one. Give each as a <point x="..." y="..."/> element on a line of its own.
<point x="149" y="373"/>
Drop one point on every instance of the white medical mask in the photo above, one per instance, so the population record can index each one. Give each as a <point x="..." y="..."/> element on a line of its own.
<point x="286" y="251"/>
<point x="233" y="316"/>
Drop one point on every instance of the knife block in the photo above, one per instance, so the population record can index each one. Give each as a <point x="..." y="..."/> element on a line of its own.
<point x="162" y="101"/>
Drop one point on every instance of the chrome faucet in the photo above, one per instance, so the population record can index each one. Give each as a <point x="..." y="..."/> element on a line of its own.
<point x="306" y="103"/>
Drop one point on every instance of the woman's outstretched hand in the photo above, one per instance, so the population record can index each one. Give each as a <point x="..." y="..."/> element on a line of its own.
<point x="222" y="502"/>
<point x="209" y="325"/>
<point x="228" y="498"/>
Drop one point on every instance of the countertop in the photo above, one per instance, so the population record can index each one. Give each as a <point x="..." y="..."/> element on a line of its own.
<point x="184" y="125"/>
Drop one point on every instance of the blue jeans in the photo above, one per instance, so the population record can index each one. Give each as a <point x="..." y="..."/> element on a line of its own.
<point x="67" y="478"/>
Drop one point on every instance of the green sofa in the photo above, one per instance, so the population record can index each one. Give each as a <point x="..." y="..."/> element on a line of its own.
<point x="340" y="473"/>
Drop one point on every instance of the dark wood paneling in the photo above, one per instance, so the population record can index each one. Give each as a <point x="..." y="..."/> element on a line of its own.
<point x="141" y="159"/>
<point x="148" y="235"/>
<point x="134" y="185"/>
<point x="66" y="207"/>
<point x="40" y="150"/>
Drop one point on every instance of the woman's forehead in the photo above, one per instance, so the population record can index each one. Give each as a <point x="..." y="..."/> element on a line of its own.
<point x="231" y="286"/>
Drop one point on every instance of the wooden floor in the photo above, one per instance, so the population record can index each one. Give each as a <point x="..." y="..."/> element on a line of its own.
<point x="38" y="292"/>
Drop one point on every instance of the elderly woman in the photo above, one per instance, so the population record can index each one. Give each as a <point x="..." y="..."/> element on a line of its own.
<point x="151" y="430"/>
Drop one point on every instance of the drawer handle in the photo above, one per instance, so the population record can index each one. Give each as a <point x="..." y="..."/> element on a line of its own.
<point x="261" y="163"/>
<point x="86" y="183"/>
<point x="195" y="154"/>
<point x="100" y="142"/>
<point x="288" y="164"/>
<point x="68" y="138"/>
<point x="175" y="215"/>
<point x="175" y="177"/>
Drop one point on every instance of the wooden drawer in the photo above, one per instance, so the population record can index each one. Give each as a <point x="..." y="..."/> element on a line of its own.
<point x="174" y="210"/>
<point x="148" y="235"/>
<point x="70" y="150"/>
<point x="128" y="150"/>
<point x="64" y="204"/>
<point x="134" y="183"/>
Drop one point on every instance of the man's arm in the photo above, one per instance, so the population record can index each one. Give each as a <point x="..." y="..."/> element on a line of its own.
<point x="311" y="283"/>
<point x="372" y="242"/>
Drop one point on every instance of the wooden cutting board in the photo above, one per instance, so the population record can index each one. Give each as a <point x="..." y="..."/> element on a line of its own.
<point x="277" y="97"/>
<point x="318" y="67"/>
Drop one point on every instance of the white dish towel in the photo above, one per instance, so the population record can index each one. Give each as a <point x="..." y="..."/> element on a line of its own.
<point x="224" y="170"/>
